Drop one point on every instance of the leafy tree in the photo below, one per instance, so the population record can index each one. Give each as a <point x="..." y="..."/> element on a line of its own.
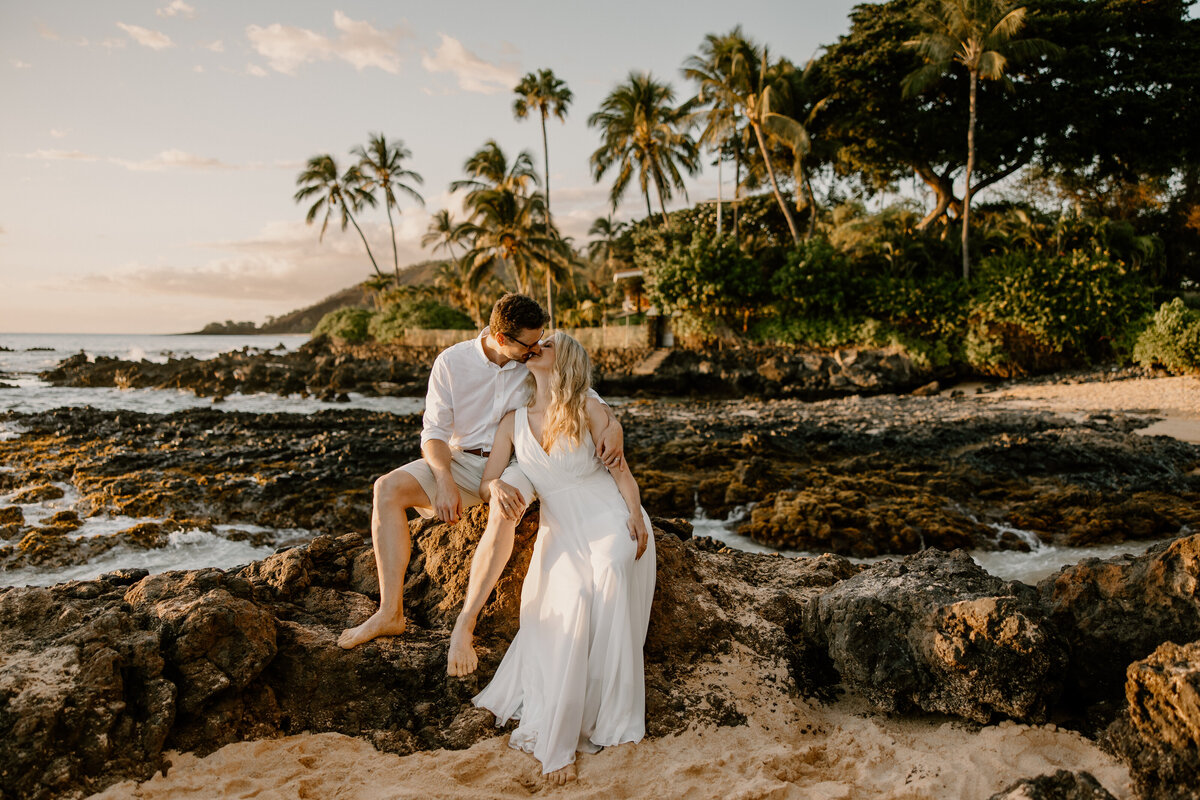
<point x="346" y="193"/>
<point x="382" y="164"/>
<point x="979" y="35"/>
<point x="508" y="230"/>
<point x="544" y="93"/>
<point x="641" y="129"/>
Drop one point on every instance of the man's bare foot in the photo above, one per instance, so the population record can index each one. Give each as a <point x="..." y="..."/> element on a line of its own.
<point x="461" y="659"/>
<point x="376" y="625"/>
<point x="563" y="776"/>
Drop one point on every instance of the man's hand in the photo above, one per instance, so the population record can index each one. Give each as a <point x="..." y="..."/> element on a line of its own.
<point x="638" y="532"/>
<point x="509" y="498"/>
<point x="447" y="503"/>
<point x="611" y="447"/>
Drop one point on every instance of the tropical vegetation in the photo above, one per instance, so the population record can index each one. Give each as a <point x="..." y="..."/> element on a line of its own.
<point x="1003" y="185"/>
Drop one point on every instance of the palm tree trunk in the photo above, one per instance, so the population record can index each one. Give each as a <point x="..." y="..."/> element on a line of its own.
<point x="812" y="205"/>
<point x="546" y="171"/>
<point x="737" y="193"/>
<point x="370" y="255"/>
<point x="787" y="213"/>
<point x="387" y="201"/>
<point x="720" y="159"/>
<point x="649" y="212"/>
<point x="966" y="217"/>
<point x="662" y="204"/>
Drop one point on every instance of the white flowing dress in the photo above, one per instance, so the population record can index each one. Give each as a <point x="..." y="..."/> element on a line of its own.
<point x="573" y="674"/>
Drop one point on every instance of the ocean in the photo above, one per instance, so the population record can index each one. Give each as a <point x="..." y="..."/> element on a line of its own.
<point x="27" y="354"/>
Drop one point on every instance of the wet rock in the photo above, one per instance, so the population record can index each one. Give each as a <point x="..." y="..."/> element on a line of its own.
<point x="12" y="515"/>
<point x="1117" y="611"/>
<point x="1062" y="785"/>
<point x="937" y="632"/>
<point x="1078" y="517"/>
<point x="1159" y="734"/>
<point x="39" y="494"/>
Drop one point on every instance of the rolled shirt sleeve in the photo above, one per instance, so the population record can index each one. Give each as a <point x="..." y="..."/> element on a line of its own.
<point x="438" y="420"/>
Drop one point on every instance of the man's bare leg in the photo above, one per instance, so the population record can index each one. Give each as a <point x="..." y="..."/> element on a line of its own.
<point x="394" y="493"/>
<point x="491" y="554"/>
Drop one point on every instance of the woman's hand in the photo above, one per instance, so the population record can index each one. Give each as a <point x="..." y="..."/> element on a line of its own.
<point x="508" y="498"/>
<point x="638" y="532"/>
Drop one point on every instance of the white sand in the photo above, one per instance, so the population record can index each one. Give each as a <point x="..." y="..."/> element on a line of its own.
<point x="804" y="751"/>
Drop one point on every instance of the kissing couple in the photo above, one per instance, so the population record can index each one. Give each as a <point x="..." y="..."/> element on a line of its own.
<point x="510" y="415"/>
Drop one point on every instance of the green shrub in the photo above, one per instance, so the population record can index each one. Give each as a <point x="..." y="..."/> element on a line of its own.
<point x="345" y="324"/>
<point x="392" y="321"/>
<point x="714" y="283"/>
<point x="1035" y="311"/>
<point x="1172" y="339"/>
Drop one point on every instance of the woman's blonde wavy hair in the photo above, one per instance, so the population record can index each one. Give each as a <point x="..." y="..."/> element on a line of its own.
<point x="566" y="416"/>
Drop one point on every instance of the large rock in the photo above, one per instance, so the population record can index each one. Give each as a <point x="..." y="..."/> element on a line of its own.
<point x="937" y="632"/>
<point x="98" y="677"/>
<point x="1062" y="785"/>
<point x="1116" y="611"/>
<point x="1159" y="735"/>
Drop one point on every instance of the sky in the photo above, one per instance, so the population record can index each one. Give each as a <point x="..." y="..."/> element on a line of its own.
<point x="149" y="149"/>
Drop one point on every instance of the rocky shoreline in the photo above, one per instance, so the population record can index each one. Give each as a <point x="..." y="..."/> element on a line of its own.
<point x="329" y="371"/>
<point x="99" y="678"/>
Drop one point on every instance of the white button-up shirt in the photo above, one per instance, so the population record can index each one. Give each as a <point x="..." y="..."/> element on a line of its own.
<point x="468" y="395"/>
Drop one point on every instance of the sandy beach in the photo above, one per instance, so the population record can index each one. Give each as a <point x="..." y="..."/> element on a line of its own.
<point x="810" y="751"/>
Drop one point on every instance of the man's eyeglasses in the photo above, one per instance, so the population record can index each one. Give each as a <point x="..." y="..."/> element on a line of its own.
<point x="528" y="347"/>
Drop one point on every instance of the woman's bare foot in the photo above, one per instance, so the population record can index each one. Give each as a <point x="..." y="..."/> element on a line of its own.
<point x="461" y="659"/>
<point x="376" y="625"/>
<point x="563" y="776"/>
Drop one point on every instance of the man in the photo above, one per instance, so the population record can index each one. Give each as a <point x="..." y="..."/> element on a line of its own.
<point x="473" y="384"/>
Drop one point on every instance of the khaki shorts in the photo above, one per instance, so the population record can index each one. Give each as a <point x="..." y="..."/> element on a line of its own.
<point x="467" y="470"/>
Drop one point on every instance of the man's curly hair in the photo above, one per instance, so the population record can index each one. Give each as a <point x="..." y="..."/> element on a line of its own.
<point x="514" y="313"/>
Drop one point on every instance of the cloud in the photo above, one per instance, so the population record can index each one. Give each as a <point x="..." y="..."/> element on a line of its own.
<point x="170" y="159"/>
<point x="217" y="47"/>
<point x="177" y="7"/>
<point x="46" y="32"/>
<point x="256" y="71"/>
<point x="146" y="37"/>
<point x="113" y="43"/>
<point x="284" y="262"/>
<point x="198" y="68"/>
<point x="360" y="44"/>
<point x="55" y="133"/>
<point x="62" y="155"/>
<point x="19" y="64"/>
<point x="473" y="73"/>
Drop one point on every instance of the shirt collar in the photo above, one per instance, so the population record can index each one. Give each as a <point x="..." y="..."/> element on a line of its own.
<point x="479" y="349"/>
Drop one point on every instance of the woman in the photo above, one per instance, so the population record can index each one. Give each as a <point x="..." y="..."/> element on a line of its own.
<point x="573" y="674"/>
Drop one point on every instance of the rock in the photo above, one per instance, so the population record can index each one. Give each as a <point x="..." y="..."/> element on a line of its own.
<point x="1062" y="785"/>
<point x="133" y="664"/>
<point x="12" y="515"/>
<point x="1117" y="611"/>
<point x="937" y="632"/>
<point x="39" y="494"/>
<point x="927" y="390"/>
<point x="1159" y="734"/>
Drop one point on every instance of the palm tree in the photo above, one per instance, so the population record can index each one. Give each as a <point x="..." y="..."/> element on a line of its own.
<point x="377" y="285"/>
<point x="381" y="162"/>
<point x="981" y="36"/>
<point x="545" y="93"/>
<point x="509" y="229"/>
<point x="346" y="193"/>
<point x="607" y="231"/>
<point x="454" y="275"/>
<point x="488" y="168"/>
<point x="641" y="129"/>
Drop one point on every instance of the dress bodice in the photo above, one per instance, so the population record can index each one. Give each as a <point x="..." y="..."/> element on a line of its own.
<point x="564" y="467"/>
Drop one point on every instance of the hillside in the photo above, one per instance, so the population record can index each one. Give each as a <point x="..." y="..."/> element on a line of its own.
<point x="303" y="320"/>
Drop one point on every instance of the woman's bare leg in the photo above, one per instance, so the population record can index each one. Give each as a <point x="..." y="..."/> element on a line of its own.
<point x="491" y="554"/>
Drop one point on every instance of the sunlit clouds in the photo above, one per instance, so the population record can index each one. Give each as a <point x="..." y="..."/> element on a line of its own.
<point x="155" y="40"/>
<point x="473" y="73"/>
<point x="177" y="7"/>
<point x="358" y="43"/>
